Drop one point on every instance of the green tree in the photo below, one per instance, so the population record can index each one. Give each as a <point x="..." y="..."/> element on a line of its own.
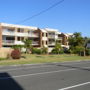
<point x="77" y="42"/>
<point x="28" y="45"/>
<point x="44" y="50"/>
<point x="57" y="48"/>
<point x="19" y="47"/>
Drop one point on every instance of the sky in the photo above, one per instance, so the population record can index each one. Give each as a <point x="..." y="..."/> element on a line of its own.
<point x="70" y="16"/>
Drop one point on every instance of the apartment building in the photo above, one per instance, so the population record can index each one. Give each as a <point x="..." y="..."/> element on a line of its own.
<point x="65" y="37"/>
<point x="11" y="34"/>
<point x="14" y="35"/>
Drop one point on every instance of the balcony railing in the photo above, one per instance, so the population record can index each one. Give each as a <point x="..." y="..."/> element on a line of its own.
<point x="7" y="42"/>
<point x="8" y="32"/>
<point x="51" y="36"/>
<point x="35" y="43"/>
<point x="33" y="35"/>
<point x="60" y="38"/>
<point x="51" y="43"/>
<point x="13" y="33"/>
<point x="22" y="34"/>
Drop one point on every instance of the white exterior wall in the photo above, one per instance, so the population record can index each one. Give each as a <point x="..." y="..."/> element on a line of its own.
<point x="19" y="43"/>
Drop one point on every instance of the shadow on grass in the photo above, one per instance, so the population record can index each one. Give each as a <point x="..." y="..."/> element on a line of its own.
<point x="8" y="83"/>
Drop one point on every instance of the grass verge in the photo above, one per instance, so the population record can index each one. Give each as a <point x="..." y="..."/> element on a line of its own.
<point x="31" y="59"/>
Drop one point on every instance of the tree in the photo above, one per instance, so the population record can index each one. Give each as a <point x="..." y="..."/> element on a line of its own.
<point x="19" y="47"/>
<point x="57" y="48"/>
<point x="28" y="45"/>
<point x="44" y="50"/>
<point x="77" y="42"/>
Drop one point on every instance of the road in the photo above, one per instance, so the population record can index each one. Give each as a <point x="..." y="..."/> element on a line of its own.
<point x="49" y="76"/>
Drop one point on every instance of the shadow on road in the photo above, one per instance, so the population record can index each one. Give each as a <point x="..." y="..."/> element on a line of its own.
<point x="8" y="83"/>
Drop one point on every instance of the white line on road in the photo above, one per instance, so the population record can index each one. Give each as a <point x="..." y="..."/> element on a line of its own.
<point x="36" y="74"/>
<point x="74" y="86"/>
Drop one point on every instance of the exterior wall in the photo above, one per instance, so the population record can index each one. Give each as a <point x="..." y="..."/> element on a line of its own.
<point x="44" y="39"/>
<point x="0" y="36"/>
<point x="39" y="37"/>
<point x="64" y="39"/>
<point x="31" y="33"/>
<point x="5" y="52"/>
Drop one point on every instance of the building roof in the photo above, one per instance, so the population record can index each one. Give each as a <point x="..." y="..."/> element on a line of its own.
<point x="68" y="34"/>
<point x="43" y="30"/>
<point x="18" y="26"/>
<point x="51" y="30"/>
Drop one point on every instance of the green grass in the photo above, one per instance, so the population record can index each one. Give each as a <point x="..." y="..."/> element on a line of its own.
<point x="30" y="59"/>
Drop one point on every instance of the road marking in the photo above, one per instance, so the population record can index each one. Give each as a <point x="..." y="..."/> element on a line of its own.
<point x="74" y="86"/>
<point x="36" y="74"/>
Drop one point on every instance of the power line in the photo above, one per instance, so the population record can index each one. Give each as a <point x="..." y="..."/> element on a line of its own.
<point x="45" y="10"/>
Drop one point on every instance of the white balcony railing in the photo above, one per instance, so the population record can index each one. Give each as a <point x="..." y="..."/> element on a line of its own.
<point x="51" y="43"/>
<point x="21" y="34"/>
<point x="33" y="35"/>
<point x="51" y="36"/>
<point x="8" y="42"/>
<point x="35" y="43"/>
<point x="13" y="33"/>
<point x="7" y="32"/>
<point x="60" y="38"/>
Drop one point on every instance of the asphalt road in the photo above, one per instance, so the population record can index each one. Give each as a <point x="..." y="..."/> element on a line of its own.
<point x="49" y="76"/>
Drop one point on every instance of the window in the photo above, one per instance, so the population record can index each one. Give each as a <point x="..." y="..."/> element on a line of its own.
<point x="46" y="42"/>
<point x="20" y="30"/>
<point x="46" y="34"/>
<point x="42" y="43"/>
<point x="43" y="34"/>
<point x="18" y="38"/>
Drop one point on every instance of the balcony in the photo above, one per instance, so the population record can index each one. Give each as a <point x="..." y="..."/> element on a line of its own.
<point x="21" y="34"/>
<point x="59" y="38"/>
<point x="35" y="43"/>
<point x="8" y="32"/>
<point x="8" y="42"/>
<point x="51" y="43"/>
<point x="33" y="35"/>
<point x="51" y="36"/>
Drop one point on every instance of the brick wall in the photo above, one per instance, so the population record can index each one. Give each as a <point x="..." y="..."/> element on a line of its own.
<point x="64" y="40"/>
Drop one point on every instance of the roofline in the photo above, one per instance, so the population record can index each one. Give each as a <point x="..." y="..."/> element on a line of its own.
<point x="18" y="26"/>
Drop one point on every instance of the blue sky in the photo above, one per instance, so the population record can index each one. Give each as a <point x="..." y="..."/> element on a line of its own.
<point x="69" y="16"/>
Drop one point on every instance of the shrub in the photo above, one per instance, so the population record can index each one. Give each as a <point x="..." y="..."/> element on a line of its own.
<point x="16" y="54"/>
<point x="36" y="51"/>
<point x="55" y="51"/>
<point x="78" y="50"/>
<point x="66" y="50"/>
<point x="2" y="58"/>
<point x="61" y="51"/>
<point x="87" y="52"/>
<point x="44" y="50"/>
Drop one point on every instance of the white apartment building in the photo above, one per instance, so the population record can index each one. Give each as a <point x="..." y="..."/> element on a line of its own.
<point x="11" y="34"/>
